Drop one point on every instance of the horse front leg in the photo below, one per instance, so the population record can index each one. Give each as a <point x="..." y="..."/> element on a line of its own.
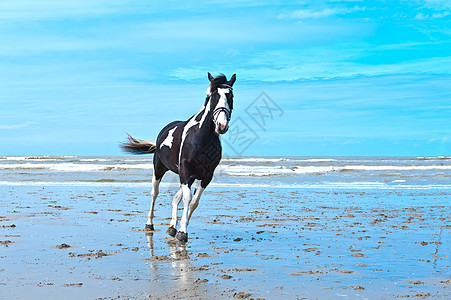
<point x="195" y="202"/>
<point x="172" y="231"/>
<point x="182" y="234"/>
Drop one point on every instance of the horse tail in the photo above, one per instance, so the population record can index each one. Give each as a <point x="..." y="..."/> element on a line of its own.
<point x="137" y="146"/>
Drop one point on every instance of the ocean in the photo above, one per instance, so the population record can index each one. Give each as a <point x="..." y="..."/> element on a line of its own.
<point x="265" y="172"/>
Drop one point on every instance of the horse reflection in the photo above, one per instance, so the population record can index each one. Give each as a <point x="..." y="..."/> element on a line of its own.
<point x="178" y="258"/>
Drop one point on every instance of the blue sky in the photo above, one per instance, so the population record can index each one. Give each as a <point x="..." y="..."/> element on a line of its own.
<point x="350" y="77"/>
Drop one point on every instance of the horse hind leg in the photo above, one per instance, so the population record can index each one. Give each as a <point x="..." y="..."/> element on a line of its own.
<point x="159" y="169"/>
<point x="172" y="231"/>
<point x="154" y="195"/>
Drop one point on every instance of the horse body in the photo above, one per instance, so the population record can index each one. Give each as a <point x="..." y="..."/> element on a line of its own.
<point x="191" y="149"/>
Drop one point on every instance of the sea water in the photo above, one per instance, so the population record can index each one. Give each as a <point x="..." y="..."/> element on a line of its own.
<point x="268" y="172"/>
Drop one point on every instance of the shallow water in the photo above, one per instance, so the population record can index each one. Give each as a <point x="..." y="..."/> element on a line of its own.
<point x="273" y="236"/>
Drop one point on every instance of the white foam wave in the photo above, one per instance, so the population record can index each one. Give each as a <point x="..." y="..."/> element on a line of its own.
<point x="74" y="167"/>
<point x="279" y="159"/>
<point x="137" y="160"/>
<point x="433" y="157"/>
<point x="241" y="170"/>
<point x="395" y="168"/>
<point x="14" y="158"/>
<point x="319" y="160"/>
<point x="253" y="159"/>
<point x="399" y="180"/>
<point x="330" y="185"/>
<point x="35" y="158"/>
<point x="228" y="167"/>
<point x="94" y="159"/>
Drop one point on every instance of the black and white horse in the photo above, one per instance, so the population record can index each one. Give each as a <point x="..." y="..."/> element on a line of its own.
<point x="191" y="149"/>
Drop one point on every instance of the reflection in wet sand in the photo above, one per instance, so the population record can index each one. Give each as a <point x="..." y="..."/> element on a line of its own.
<point x="183" y="274"/>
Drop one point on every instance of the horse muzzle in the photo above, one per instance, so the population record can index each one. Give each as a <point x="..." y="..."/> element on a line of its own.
<point x="221" y="128"/>
<point x="221" y="118"/>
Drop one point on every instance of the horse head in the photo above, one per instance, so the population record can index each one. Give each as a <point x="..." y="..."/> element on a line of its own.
<point x="220" y="98"/>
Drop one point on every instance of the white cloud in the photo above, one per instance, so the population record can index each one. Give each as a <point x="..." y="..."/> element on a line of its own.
<point x="421" y="16"/>
<point x="308" y="14"/>
<point x="31" y="10"/>
<point x="54" y="9"/>
<point x="437" y="4"/>
<point x="320" y="70"/>
<point x="16" y="126"/>
<point x="444" y="140"/>
<point x="440" y="15"/>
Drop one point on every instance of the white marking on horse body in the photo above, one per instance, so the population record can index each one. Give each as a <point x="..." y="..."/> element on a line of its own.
<point x="169" y="139"/>
<point x="192" y="122"/>
<point x="208" y="92"/>
<point x="187" y="127"/>
<point x="206" y="111"/>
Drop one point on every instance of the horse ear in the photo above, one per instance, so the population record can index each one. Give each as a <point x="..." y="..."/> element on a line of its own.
<point x="232" y="80"/>
<point x="210" y="77"/>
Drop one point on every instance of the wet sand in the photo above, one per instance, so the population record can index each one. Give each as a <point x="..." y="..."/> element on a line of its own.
<point x="87" y="242"/>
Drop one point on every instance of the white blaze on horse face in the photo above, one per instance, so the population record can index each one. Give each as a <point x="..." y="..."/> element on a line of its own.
<point x="221" y="119"/>
<point x="223" y="98"/>
<point x="169" y="139"/>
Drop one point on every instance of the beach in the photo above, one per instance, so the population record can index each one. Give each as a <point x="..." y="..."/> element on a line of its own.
<point x="268" y="228"/>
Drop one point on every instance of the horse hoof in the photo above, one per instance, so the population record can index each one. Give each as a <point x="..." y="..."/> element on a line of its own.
<point x="171" y="231"/>
<point x="149" y="227"/>
<point x="182" y="236"/>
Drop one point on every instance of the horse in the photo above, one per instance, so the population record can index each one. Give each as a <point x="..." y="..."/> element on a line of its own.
<point x="191" y="149"/>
